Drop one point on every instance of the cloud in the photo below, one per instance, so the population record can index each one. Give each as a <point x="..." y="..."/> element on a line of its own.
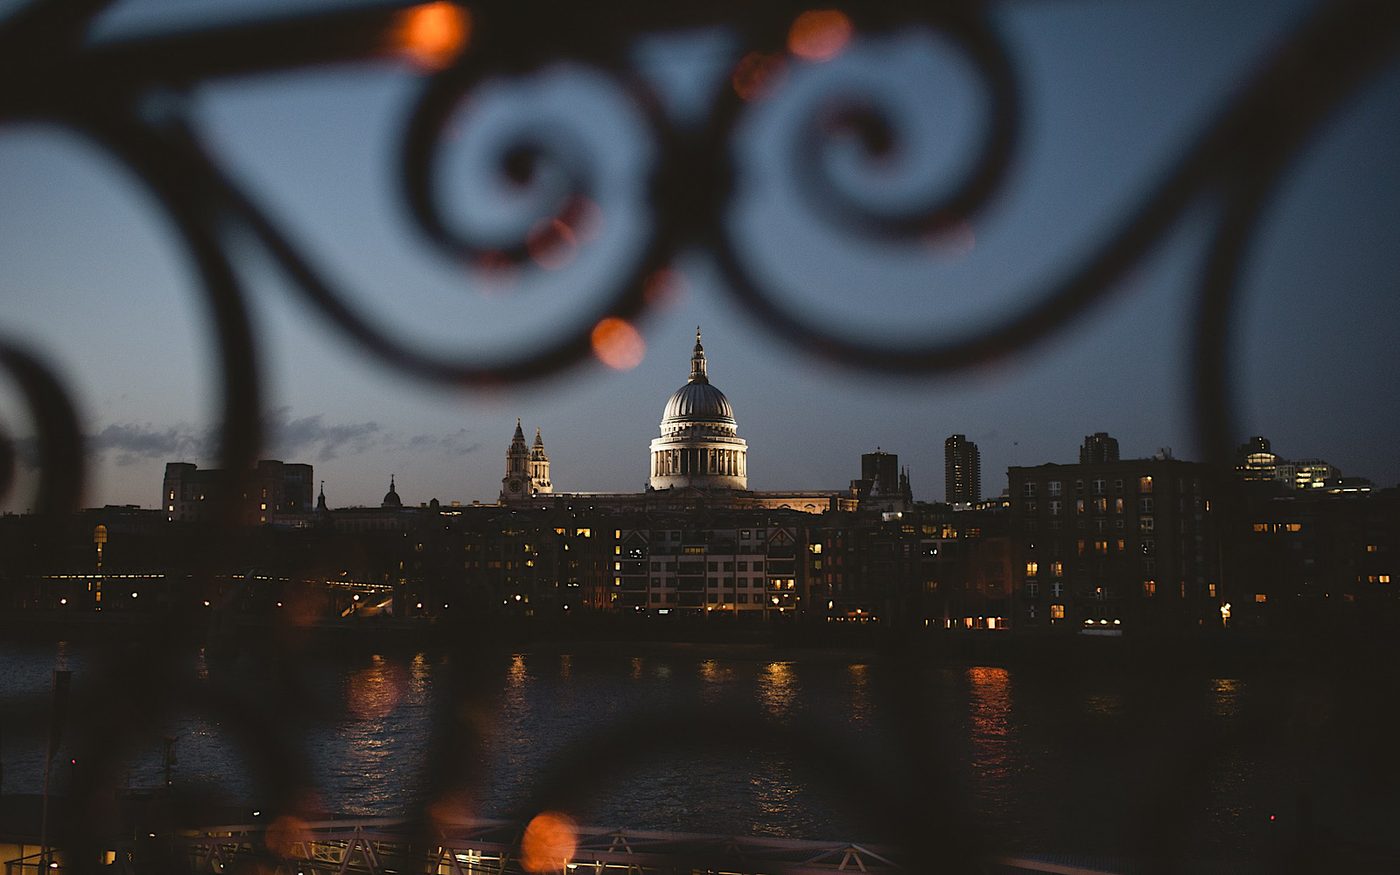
<point x="291" y="438"/>
<point x="286" y="438"/>
<point x="458" y="442"/>
<point x="133" y="443"/>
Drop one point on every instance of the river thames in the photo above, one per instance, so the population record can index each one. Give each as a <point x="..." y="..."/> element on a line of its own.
<point x="1038" y="760"/>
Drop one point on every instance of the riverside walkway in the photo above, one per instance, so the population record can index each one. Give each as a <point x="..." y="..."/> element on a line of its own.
<point x="380" y="846"/>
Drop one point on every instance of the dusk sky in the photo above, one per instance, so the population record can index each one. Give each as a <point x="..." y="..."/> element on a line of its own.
<point x="92" y="278"/>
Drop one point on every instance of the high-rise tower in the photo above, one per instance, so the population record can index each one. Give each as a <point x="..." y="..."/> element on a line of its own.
<point x="962" y="470"/>
<point x="1098" y="449"/>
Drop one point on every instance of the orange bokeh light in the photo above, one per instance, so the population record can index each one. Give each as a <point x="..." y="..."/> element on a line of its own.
<point x="820" y="34"/>
<point x="551" y="243"/>
<point x="618" y="344"/>
<point x="285" y="833"/>
<point x="757" y="74"/>
<point x="549" y="842"/>
<point x="453" y="809"/>
<point x="664" y="287"/>
<point x="432" y="34"/>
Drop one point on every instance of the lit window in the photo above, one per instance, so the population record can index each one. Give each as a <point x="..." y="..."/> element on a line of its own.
<point x="1032" y="568"/>
<point x="1210" y="590"/>
<point x="1145" y="484"/>
<point x="1294" y="527"/>
<point x="1261" y="527"/>
<point x="1057" y="568"/>
<point x="1149" y="588"/>
<point x="1057" y="612"/>
<point x="1260" y="598"/>
<point x="1370" y="548"/>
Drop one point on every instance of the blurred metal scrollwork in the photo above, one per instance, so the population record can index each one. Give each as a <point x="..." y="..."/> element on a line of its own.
<point x="129" y="96"/>
<point x="126" y="94"/>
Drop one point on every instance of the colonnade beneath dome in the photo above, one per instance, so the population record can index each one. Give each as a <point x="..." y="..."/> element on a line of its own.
<point x="699" y="460"/>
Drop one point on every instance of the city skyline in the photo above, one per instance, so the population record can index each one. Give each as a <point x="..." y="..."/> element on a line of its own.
<point x="96" y="285"/>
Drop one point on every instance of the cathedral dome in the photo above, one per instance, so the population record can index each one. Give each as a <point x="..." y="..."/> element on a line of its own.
<point x="698" y="401"/>
<point x="699" y="444"/>
<point x="391" y="498"/>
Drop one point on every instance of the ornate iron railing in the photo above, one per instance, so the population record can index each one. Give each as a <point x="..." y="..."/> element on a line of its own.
<point x="129" y="97"/>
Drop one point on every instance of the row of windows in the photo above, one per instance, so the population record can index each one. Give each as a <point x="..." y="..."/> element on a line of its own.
<point x="658" y="565"/>
<point x="714" y="582"/>
<point x="1097" y="487"/>
<point x="670" y="598"/>
<point x="1285" y="527"/>
<point x="744" y="535"/>
<point x="1149" y="589"/>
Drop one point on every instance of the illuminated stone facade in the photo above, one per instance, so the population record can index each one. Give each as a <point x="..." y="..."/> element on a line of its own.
<point x="699" y="443"/>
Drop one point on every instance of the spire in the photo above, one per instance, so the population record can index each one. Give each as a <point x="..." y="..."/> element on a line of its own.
<point x="519" y="435"/>
<point x="321" y="498"/>
<point x="391" y="498"/>
<point x="697" y="361"/>
<point x="539" y="441"/>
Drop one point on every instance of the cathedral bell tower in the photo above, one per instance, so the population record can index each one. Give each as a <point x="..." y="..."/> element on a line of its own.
<point x="527" y="468"/>
<point x="539" y="466"/>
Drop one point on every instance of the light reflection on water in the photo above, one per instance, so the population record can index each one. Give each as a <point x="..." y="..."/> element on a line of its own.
<point x="1044" y="758"/>
<point x="858" y="674"/>
<point x="777" y="688"/>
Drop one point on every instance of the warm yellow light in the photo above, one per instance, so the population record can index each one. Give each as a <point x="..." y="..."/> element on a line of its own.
<point x="819" y="34"/>
<point x="617" y="344"/>
<point x="432" y="34"/>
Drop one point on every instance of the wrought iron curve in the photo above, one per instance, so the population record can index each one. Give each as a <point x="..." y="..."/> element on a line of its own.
<point x="127" y="97"/>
